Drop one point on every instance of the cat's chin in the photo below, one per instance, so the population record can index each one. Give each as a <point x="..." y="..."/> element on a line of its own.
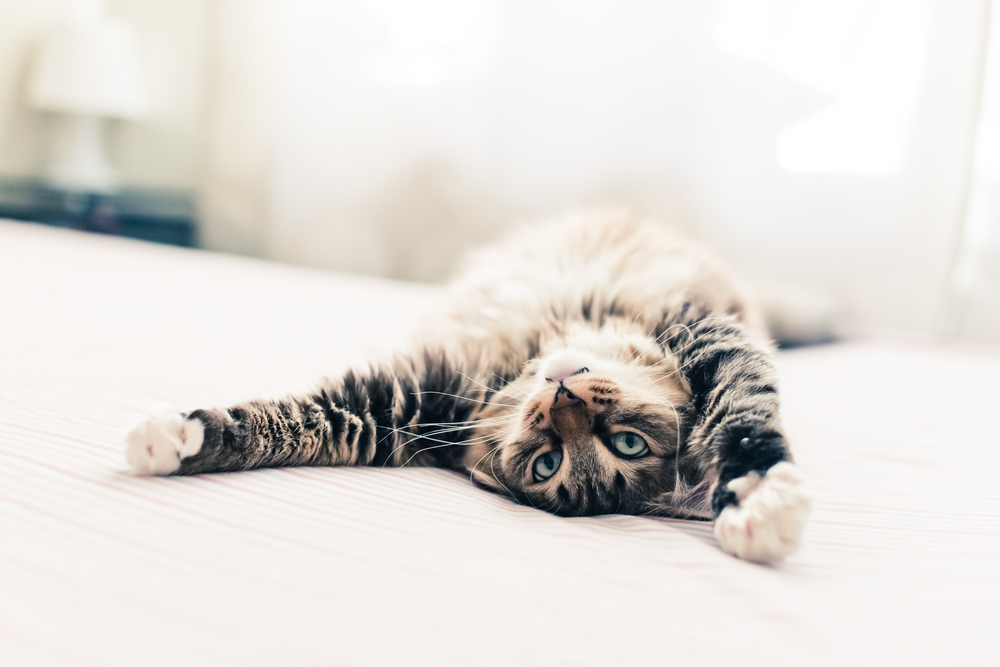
<point x="564" y="364"/>
<point x="767" y="524"/>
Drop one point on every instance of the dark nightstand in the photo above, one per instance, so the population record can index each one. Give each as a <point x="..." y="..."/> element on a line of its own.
<point x="163" y="216"/>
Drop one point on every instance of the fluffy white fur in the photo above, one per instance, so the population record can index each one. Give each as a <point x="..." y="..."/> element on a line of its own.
<point x="533" y="279"/>
<point x="768" y="523"/>
<point x="156" y="446"/>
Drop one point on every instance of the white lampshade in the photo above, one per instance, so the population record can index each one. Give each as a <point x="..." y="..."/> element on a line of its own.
<point x="88" y="64"/>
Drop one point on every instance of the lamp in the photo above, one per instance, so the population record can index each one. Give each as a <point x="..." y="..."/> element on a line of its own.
<point x="86" y="69"/>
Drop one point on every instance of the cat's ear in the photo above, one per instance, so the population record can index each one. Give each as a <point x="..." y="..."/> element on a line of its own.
<point x="488" y="482"/>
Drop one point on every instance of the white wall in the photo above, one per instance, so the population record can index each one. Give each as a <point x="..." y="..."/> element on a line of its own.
<point x="164" y="148"/>
<point x="235" y="201"/>
<point x="21" y="131"/>
<point x="822" y="143"/>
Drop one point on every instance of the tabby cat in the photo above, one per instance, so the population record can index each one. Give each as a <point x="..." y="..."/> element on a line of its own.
<point x="598" y="364"/>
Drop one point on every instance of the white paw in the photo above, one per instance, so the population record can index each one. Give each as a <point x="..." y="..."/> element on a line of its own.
<point x="768" y="523"/>
<point x="156" y="446"/>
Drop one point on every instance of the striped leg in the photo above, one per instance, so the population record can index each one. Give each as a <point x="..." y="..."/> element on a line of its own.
<point x="760" y="499"/>
<point x="372" y="418"/>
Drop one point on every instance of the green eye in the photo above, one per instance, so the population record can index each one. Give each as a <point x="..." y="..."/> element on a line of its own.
<point x="630" y="444"/>
<point x="546" y="465"/>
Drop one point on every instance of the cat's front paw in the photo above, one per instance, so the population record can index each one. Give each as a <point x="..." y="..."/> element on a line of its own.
<point x="767" y="524"/>
<point x="157" y="446"/>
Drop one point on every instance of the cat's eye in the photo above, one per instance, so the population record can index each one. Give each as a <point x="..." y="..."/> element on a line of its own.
<point x="546" y="465"/>
<point x="629" y="444"/>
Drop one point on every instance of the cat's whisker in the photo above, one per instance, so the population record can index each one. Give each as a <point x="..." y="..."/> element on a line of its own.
<point x="475" y="466"/>
<point x="443" y="443"/>
<point x="450" y="427"/>
<point x="474" y="422"/>
<point x="500" y="481"/>
<point x="468" y="423"/>
<point x="551" y="505"/>
<point x="404" y="430"/>
<point x="489" y="389"/>
<point x="428" y="448"/>
<point x="506" y="385"/>
<point x="413" y="437"/>
<point x="464" y="398"/>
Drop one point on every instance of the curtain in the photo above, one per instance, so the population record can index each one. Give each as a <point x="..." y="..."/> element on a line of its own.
<point x="821" y="144"/>
<point x="972" y="304"/>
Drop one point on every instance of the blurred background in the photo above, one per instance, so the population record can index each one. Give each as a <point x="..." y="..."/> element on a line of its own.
<point x="846" y="151"/>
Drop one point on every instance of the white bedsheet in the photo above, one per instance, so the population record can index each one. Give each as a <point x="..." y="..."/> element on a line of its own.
<point x="408" y="567"/>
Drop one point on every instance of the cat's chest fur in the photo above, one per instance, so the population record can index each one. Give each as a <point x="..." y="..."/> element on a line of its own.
<point x="512" y="299"/>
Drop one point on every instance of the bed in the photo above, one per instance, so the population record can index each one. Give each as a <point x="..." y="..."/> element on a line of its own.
<point x="901" y="563"/>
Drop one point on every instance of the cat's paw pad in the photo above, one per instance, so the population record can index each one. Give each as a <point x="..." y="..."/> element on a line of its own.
<point x="767" y="525"/>
<point x="157" y="446"/>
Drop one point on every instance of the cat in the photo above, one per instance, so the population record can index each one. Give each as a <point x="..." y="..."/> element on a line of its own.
<point x="596" y="364"/>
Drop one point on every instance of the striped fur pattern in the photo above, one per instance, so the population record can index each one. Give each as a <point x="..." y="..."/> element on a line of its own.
<point x="596" y="364"/>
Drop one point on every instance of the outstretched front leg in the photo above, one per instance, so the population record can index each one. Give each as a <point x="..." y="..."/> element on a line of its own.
<point x="385" y="416"/>
<point x="760" y="499"/>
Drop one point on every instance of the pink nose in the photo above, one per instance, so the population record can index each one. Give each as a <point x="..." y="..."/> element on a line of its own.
<point x="565" y="399"/>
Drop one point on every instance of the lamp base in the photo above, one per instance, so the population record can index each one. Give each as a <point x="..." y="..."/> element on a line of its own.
<point x="79" y="161"/>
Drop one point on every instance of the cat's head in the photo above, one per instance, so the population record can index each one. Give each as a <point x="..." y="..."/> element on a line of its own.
<point x="591" y="427"/>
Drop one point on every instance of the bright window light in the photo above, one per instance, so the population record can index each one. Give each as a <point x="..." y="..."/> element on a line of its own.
<point x="866" y="56"/>
<point x="434" y="42"/>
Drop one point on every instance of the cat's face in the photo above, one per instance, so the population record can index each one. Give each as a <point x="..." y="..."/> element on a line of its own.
<point x="590" y="428"/>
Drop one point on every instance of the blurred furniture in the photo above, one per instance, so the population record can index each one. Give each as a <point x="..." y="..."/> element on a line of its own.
<point x="163" y="216"/>
<point x="363" y="566"/>
<point x="86" y="69"/>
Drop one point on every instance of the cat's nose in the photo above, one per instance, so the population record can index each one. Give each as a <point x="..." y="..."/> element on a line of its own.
<point x="565" y="399"/>
<point x="569" y="415"/>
